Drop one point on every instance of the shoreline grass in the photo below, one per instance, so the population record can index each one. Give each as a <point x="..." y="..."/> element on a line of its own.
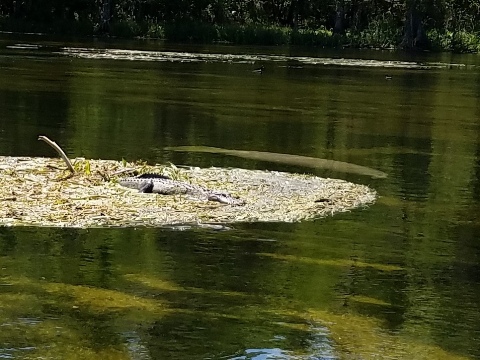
<point x="379" y="35"/>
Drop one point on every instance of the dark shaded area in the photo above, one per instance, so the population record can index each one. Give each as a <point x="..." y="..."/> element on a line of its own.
<point x="413" y="169"/>
<point x="450" y="26"/>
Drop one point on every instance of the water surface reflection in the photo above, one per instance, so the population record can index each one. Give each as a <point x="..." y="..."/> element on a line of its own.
<point x="398" y="280"/>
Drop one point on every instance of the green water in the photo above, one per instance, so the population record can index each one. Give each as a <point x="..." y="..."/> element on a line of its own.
<point x="397" y="280"/>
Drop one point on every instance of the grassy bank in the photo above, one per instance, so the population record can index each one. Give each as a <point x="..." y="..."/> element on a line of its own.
<point x="378" y="35"/>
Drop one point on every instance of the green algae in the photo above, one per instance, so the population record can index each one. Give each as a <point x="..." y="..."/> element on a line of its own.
<point x="332" y="262"/>
<point x="359" y="337"/>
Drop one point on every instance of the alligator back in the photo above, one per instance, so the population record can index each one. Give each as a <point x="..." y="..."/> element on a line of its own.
<point x="160" y="184"/>
<point x="152" y="176"/>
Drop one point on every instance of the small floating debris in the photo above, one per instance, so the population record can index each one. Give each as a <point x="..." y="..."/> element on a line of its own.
<point x="189" y="57"/>
<point x="23" y="46"/>
<point x="259" y="70"/>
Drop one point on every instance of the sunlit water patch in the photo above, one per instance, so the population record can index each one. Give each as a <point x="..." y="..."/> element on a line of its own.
<point x="7" y="351"/>
<point x="137" y="350"/>
<point x="12" y="353"/>
<point x="318" y="347"/>
<point x="275" y="354"/>
<point x="24" y="47"/>
<point x="172" y="56"/>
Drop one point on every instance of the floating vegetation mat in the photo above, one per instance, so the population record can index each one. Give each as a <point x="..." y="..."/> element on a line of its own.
<point x="40" y="192"/>
<point x="171" y="56"/>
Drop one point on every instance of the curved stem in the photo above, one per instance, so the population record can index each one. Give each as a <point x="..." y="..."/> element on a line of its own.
<point x="59" y="151"/>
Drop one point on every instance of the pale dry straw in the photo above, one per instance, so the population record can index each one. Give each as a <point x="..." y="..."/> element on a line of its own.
<point x="41" y="192"/>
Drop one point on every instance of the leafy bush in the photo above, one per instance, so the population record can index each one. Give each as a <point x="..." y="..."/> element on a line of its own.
<point x="465" y="42"/>
<point x="380" y="33"/>
<point x="319" y="37"/>
<point x="125" y="28"/>
<point x="439" y="40"/>
<point x="155" y="30"/>
<point x="249" y="34"/>
<point x="459" y="41"/>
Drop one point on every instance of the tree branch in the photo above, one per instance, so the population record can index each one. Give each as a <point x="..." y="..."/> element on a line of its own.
<point x="59" y="151"/>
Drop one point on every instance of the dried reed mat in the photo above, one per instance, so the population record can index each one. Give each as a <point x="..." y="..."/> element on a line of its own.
<point x="42" y="192"/>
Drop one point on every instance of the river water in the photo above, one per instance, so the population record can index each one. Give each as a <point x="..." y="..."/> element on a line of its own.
<point x="397" y="280"/>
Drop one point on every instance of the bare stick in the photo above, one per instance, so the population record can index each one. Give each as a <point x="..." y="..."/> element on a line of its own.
<point x="59" y="151"/>
<point x="122" y="171"/>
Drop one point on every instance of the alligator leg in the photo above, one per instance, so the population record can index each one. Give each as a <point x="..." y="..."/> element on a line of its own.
<point x="146" y="187"/>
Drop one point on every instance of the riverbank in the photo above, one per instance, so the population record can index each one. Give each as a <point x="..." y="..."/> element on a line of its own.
<point x="376" y="36"/>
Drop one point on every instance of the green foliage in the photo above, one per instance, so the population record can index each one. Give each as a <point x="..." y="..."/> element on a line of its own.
<point x="439" y="39"/>
<point x="250" y="34"/>
<point x="462" y="42"/>
<point x="172" y="172"/>
<point x="254" y="34"/>
<point x="129" y="28"/>
<point x="465" y="42"/>
<point x="155" y="30"/>
<point x="125" y="28"/>
<point x="82" y="166"/>
<point x="381" y="32"/>
<point x="454" y="25"/>
<point x="320" y="37"/>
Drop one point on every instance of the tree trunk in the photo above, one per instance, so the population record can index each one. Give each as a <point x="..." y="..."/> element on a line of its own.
<point x="414" y="36"/>
<point x="357" y="15"/>
<point x="339" y="27"/>
<point x="105" y="16"/>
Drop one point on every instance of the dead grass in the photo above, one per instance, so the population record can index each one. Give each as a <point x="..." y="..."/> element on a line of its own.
<point x="40" y="192"/>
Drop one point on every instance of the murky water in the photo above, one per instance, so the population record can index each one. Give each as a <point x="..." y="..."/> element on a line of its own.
<point x="398" y="280"/>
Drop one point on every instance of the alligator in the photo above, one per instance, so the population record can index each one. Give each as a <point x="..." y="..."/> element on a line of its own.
<point x="160" y="184"/>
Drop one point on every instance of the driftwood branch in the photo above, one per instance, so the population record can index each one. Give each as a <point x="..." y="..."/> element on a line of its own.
<point x="59" y="151"/>
<point x="122" y="171"/>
